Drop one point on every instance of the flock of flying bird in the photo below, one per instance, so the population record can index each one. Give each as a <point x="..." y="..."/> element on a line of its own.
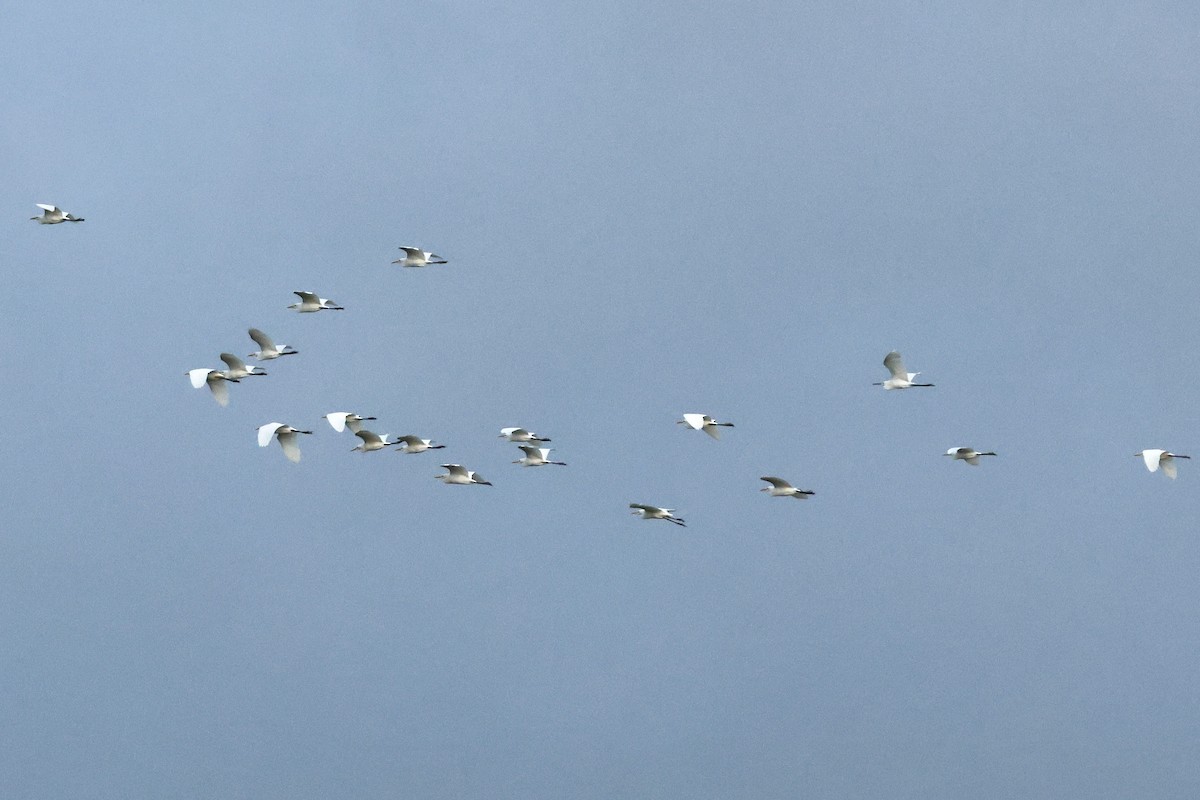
<point x="528" y="442"/>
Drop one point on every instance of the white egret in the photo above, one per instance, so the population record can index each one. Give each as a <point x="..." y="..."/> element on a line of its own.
<point x="267" y="349"/>
<point x="238" y="369"/>
<point x="703" y="422"/>
<point x="52" y="215"/>
<point x="900" y="379"/>
<point x="340" y="420"/>
<point x="521" y="435"/>
<point x="536" y="457"/>
<point x="967" y="454"/>
<point x="309" y="302"/>
<point x="286" y="435"/>
<point x="415" y="444"/>
<point x="416" y="257"/>
<point x="459" y="475"/>
<point x="781" y="488"/>
<point x="654" y="512"/>
<point x="1161" y="458"/>
<point x="371" y="441"/>
<point x="215" y="380"/>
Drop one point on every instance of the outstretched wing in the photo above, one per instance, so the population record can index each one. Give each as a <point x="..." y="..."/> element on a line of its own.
<point x="265" y="432"/>
<point x="895" y="365"/>
<point x="337" y="419"/>
<point x="1168" y="467"/>
<point x="1152" y="459"/>
<point x="220" y="392"/>
<point x="368" y="437"/>
<point x="261" y="339"/>
<point x="198" y="376"/>
<point x="291" y="448"/>
<point x="778" y="483"/>
<point x="233" y="361"/>
<point x="457" y="469"/>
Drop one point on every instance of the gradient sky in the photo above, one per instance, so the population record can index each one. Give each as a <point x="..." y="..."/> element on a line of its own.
<point x="648" y="208"/>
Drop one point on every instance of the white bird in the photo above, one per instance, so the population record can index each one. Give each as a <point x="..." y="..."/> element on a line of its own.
<point x="340" y="420"/>
<point x="521" y="435"/>
<point x="371" y="441"/>
<point x="415" y="444"/>
<point x="536" y="457"/>
<point x="416" y="257"/>
<point x="703" y="422"/>
<point x="900" y="379"/>
<point x="967" y="454"/>
<point x="781" y="488"/>
<point x="52" y="215"/>
<point x="654" y="512"/>
<point x="286" y="435"/>
<point x="1161" y="458"/>
<point x="309" y="302"/>
<point x="238" y="369"/>
<point x="267" y="349"/>
<point x="215" y="380"/>
<point x="459" y="475"/>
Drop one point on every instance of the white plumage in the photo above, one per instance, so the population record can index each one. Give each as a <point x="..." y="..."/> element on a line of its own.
<point x="416" y="257"/>
<point x="967" y="454"/>
<point x="901" y="379"/>
<point x="703" y="422"/>
<point x="656" y="512"/>
<point x="1161" y="458"/>
<point x="267" y="349"/>
<point x="781" y="488"/>
<point x="310" y="302"/>
<point x="285" y="435"/>
<point x="215" y="379"/>
<point x="52" y="215"/>
<point x="458" y="475"/>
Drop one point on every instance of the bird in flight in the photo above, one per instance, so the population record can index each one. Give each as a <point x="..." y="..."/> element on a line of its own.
<point x="900" y="378"/>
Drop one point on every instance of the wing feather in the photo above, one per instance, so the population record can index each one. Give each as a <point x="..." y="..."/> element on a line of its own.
<point x="291" y="448"/>
<point x="265" y="432"/>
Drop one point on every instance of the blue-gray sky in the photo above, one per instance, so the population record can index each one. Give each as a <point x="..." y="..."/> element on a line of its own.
<point x="649" y="208"/>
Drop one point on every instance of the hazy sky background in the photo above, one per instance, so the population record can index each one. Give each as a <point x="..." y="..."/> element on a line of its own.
<point x="649" y="208"/>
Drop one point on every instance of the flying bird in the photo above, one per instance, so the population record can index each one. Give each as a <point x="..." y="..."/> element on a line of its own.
<point x="967" y="454"/>
<point x="340" y="420"/>
<point x="415" y="444"/>
<point x="1161" y="458"/>
<point x="781" y="488"/>
<point x="654" y="512"/>
<point x="371" y="441"/>
<point x="238" y="369"/>
<point x="703" y="422"/>
<point x="536" y="457"/>
<point x="309" y="302"/>
<point x="216" y="383"/>
<point x="286" y="435"/>
<point x="267" y="349"/>
<point x="900" y="379"/>
<point x="459" y="475"/>
<point x="521" y="435"/>
<point x="416" y="257"/>
<point x="52" y="215"/>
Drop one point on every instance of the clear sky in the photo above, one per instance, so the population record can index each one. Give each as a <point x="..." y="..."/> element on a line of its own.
<point x="649" y="208"/>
